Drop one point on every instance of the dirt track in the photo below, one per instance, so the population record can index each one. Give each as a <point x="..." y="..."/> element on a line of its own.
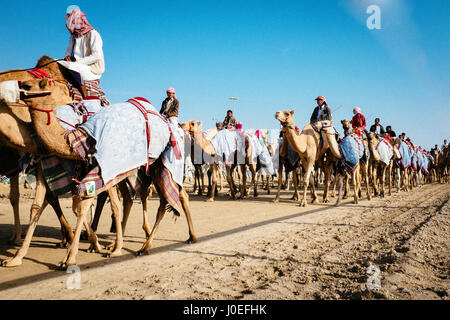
<point x="252" y="249"/>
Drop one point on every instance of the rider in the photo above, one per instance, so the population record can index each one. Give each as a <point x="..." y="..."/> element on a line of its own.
<point x="170" y="105"/>
<point x="84" y="54"/>
<point x="322" y="111"/>
<point x="377" y="128"/>
<point x="390" y="132"/>
<point x="358" y="120"/>
<point x="229" y="121"/>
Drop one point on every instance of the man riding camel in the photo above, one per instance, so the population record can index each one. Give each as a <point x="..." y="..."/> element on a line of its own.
<point x="84" y="55"/>
<point x="358" y="120"/>
<point x="170" y="105"/>
<point x="229" y="121"/>
<point x="322" y="111"/>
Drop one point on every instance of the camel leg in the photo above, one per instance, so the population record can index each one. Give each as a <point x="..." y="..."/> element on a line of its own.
<point x="214" y="169"/>
<point x="366" y="178"/>
<point x="244" y="181"/>
<point x="37" y="207"/>
<point x="314" y="197"/>
<point x="184" y="199"/>
<point x="14" y="196"/>
<point x="202" y="176"/>
<point x="280" y="182"/>
<point x="230" y="182"/>
<point x="66" y="230"/>
<point x="127" y="203"/>
<point x="148" y="243"/>
<point x="101" y="200"/>
<point x="295" y="179"/>
<point x="356" y="185"/>
<point x="254" y="180"/>
<point x="306" y="180"/>
<point x="327" y="181"/>
<point x="219" y="172"/>
<point x="144" y="194"/>
<point x="115" y="207"/>
<point x="80" y="208"/>
<point x="339" y="178"/>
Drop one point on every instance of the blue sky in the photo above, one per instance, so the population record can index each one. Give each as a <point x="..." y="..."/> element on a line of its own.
<point x="273" y="55"/>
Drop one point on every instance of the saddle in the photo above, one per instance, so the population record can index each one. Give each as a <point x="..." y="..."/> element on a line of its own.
<point x="135" y="102"/>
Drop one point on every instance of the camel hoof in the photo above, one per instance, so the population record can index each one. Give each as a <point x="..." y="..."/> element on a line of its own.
<point x="13" y="262"/>
<point x="209" y="200"/>
<point x="62" y="266"/>
<point x="276" y="201"/>
<point x="315" y="201"/>
<point x="191" y="240"/>
<point x="114" y="254"/>
<point x="326" y="200"/>
<point x="62" y="244"/>
<point x="142" y="252"/>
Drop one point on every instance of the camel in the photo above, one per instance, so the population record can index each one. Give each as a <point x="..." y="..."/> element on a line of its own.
<point x="307" y="145"/>
<point x="363" y="163"/>
<point x="52" y="135"/>
<point x="200" y="143"/>
<point x="284" y="162"/>
<point x="341" y="171"/>
<point x="18" y="113"/>
<point x="379" y="168"/>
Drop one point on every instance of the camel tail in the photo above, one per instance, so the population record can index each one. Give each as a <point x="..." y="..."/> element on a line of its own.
<point x="171" y="209"/>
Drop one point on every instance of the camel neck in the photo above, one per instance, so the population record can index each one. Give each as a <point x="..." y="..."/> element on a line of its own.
<point x="50" y="132"/>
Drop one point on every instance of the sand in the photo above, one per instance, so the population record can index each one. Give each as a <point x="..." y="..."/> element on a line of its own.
<point x="392" y="248"/>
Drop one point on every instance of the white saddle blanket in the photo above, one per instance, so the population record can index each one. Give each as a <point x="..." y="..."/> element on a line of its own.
<point x="121" y="140"/>
<point x="386" y="151"/>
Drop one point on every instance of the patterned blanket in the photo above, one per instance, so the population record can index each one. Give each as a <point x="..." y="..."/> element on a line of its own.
<point x="406" y="155"/>
<point x="74" y="114"/>
<point x="352" y="149"/>
<point x="92" y="89"/>
<point x="170" y="190"/>
<point x="385" y="150"/>
<point x="120" y="138"/>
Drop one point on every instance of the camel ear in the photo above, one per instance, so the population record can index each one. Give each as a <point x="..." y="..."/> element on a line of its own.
<point x="292" y="112"/>
<point x="342" y="121"/>
<point x="43" y="83"/>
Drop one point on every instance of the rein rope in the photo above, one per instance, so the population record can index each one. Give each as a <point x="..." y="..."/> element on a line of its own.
<point x="20" y="70"/>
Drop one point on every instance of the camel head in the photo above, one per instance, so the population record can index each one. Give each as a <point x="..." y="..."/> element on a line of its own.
<point x="346" y="124"/>
<point x="193" y="126"/>
<point x="45" y="93"/>
<point x="219" y="126"/>
<point x="285" y="117"/>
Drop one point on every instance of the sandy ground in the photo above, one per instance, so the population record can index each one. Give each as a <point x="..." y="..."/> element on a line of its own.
<point x="250" y="249"/>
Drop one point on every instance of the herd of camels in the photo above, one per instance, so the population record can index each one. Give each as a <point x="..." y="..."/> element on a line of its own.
<point x="31" y="126"/>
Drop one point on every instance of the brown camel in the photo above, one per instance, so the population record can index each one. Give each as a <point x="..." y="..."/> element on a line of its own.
<point x="20" y="114"/>
<point x="309" y="148"/>
<point x="342" y="174"/>
<point x="201" y="143"/>
<point x="283" y="162"/>
<point x="380" y="169"/>
<point x="52" y="136"/>
<point x="363" y="163"/>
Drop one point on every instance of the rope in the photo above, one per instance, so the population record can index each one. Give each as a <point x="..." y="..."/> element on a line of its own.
<point x="20" y="70"/>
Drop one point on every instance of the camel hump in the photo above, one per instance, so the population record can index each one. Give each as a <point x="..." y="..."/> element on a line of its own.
<point x="43" y="60"/>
